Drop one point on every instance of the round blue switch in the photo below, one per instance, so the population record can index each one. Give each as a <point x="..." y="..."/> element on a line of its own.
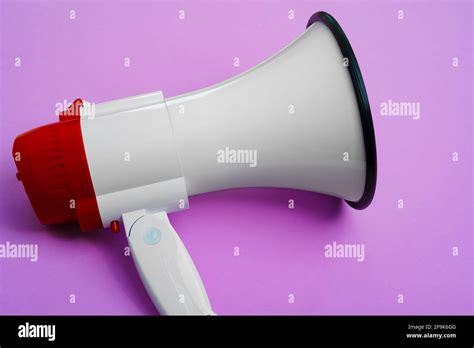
<point x="152" y="236"/>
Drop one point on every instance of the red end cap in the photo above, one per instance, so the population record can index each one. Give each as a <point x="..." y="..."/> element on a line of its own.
<point x="52" y="165"/>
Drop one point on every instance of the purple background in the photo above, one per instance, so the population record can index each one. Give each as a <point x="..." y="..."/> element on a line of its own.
<point x="407" y="251"/>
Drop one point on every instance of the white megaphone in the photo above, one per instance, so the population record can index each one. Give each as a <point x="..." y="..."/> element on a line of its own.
<point x="299" y="120"/>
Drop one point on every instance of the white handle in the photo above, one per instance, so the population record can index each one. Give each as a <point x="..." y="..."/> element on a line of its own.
<point x="164" y="265"/>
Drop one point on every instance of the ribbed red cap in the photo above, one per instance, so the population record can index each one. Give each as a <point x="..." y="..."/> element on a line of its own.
<point x="52" y="166"/>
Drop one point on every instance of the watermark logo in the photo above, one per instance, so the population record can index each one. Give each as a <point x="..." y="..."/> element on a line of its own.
<point x="69" y="109"/>
<point x="392" y="108"/>
<point x="37" y="331"/>
<point x="19" y="251"/>
<point x="232" y="156"/>
<point x="345" y="251"/>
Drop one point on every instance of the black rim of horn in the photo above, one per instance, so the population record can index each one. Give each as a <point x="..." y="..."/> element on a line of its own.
<point x="364" y="107"/>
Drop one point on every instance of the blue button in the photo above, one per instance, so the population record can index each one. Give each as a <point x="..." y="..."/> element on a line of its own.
<point x="152" y="236"/>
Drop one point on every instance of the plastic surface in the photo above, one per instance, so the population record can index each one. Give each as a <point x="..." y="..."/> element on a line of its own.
<point x="132" y="157"/>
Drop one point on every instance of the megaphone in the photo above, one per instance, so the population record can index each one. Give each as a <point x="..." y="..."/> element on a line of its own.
<point x="299" y="120"/>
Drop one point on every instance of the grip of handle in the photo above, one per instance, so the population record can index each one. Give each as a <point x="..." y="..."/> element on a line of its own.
<point x="165" y="266"/>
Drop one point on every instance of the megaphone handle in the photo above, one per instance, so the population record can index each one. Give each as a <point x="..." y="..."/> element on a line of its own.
<point x="165" y="266"/>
